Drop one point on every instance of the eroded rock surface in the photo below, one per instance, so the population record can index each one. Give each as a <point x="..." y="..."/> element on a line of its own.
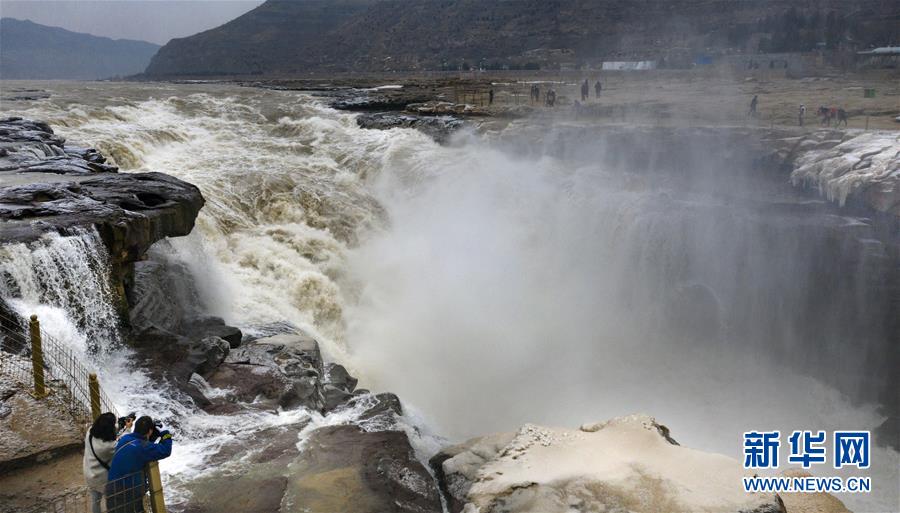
<point x="32" y="146"/>
<point x="439" y="128"/>
<point x="279" y="371"/>
<point x="344" y="468"/>
<point x="130" y="211"/>
<point x="46" y="186"/>
<point x="456" y="467"/>
<point x="32" y="431"/>
<point x="365" y="468"/>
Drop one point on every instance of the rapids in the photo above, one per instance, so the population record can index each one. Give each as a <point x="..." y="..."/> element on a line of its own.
<point x="486" y="288"/>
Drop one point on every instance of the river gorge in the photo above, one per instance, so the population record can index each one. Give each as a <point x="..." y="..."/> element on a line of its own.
<point x="543" y="271"/>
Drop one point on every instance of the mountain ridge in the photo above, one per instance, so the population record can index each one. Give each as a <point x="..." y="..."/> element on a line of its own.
<point x="29" y="50"/>
<point x="295" y="37"/>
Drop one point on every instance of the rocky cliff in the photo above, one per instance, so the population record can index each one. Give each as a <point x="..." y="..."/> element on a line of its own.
<point x="49" y="187"/>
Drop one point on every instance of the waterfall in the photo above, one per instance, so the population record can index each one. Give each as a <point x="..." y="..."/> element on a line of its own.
<point x="71" y="274"/>
<point x="560" y="282"/>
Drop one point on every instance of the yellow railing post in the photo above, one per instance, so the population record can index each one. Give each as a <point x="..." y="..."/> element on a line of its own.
<point x="94" y="389"/>
<point x="37" y="358"/>
<point x="157" y="501"/>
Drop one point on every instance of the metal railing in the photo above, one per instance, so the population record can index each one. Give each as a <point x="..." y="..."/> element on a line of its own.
<point x="49" y="366"/>
<point x="35" y="360"/>
<point x="132" y="493"/>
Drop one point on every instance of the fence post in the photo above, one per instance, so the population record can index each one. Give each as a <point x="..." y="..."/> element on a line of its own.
<point x="94" y="389"/>
<point x="157" y="501"/>
<point x="37" y="358"/>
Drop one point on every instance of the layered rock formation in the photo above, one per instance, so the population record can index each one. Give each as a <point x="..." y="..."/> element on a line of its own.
<point x="48" y="186"/>
<point x="626" y="464"/>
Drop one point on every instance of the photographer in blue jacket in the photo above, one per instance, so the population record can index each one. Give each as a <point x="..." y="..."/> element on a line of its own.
<point x="126" y="486"/>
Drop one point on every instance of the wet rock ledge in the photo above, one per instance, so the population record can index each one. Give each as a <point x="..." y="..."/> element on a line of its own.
<point x="48" y="186"/>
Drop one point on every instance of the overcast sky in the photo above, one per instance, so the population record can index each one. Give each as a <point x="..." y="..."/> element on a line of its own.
<point x="156" y="21"/>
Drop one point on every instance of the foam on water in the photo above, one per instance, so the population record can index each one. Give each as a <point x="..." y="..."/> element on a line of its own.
<point x="284" y="184"/>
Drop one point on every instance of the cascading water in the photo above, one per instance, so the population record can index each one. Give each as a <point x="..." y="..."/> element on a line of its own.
<point x="485" y="289"/>
<point x="70" y="273"/>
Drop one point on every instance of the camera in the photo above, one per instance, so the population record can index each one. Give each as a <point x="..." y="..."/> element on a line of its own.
<point x="154" y="435"/>
<point x="124" y="420"/>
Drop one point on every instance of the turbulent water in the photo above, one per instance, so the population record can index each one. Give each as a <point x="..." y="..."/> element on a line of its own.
<point x="485" y="288"/>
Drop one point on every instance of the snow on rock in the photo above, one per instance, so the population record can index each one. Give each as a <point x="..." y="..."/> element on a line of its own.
<point x="456" y="467"/>
<point x="628" y="464"/>
<point x="861" y="165"/>
<point x="817" y="502"/>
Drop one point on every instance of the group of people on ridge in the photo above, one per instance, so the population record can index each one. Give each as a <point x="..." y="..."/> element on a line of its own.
<point x="826" y="114"/>
<point x="115" y="454"/>
<point x="586" y="89"/>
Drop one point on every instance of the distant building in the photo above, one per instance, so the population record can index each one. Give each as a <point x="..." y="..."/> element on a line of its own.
<point x="628" y="65"/>
<point x="884" y="57"/>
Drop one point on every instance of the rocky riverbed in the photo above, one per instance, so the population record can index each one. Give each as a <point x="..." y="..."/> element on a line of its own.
<point x="50" y="188"/>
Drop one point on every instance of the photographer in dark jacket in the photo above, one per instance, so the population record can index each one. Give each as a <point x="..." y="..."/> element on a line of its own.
<point x="125" y="489"/>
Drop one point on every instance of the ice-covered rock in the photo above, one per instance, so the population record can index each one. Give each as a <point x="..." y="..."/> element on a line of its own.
<point x="626" y="464"/>
<point x="862" y="166"/>
<point x="456" y="467"/>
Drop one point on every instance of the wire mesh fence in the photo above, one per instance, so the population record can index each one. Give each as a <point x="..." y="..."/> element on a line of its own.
<point x="65" y="372"/>
<point x="128" y="494"/>
<point x="67" y="377"/>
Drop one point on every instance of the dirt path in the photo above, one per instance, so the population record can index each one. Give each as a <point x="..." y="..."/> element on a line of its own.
<point x="684" y="97"/>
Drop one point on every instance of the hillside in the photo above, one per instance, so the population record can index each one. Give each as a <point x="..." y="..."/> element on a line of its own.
<point x="276" y="37"/>
<point x="32" y="51"/>
<point x="289" y="37"/>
